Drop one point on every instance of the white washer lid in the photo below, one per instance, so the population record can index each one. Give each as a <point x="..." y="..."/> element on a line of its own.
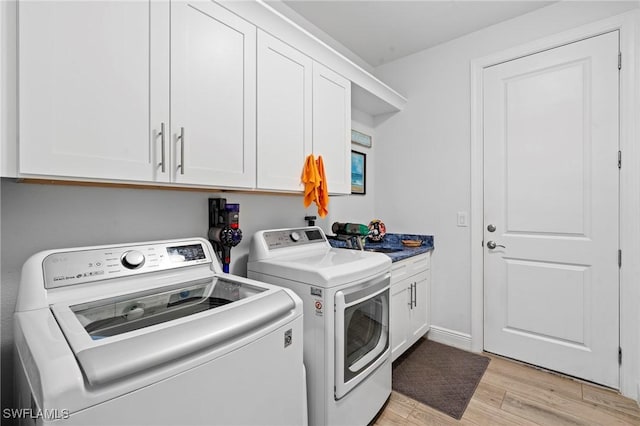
<point x="325" y="268"/>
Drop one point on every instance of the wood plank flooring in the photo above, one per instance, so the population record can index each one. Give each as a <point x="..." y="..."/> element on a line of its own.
<point x="511" y="393"/>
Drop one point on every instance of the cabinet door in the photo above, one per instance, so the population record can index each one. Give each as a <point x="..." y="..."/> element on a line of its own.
<point x="213" y="95"/>
<point x="284" y="113"/>
<point x="419" y="313"/>
<point x="399" y="318"/>
<point x="85" y="85"/>
<point x="332" y="127"/>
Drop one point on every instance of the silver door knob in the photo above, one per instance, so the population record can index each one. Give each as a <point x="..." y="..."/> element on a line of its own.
<point x="491" y="228"/>
<point x="492" y="244"/>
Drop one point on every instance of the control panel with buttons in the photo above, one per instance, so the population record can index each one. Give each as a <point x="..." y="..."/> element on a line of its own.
<point x="78" y="267"/>
<point x="293" y="237"/>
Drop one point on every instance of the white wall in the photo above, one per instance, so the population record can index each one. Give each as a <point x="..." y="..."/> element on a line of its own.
<point x="358" y="208"/>
<point x="423" y="154"/>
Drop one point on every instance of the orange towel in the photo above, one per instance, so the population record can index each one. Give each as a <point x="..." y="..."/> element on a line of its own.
<point x="311" y="180"/>
<point x="323" y="193"/>
<point x="315" y="184"/>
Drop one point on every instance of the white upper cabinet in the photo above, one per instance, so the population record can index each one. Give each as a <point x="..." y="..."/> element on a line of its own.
<point x="332" y="127"/>
<point x="183" y="92"/>
<point x="97" y="89"/>
<point x="303" y="108"/>
<point x="213" y="96"/>
<point x="284" y="113"/>
<point x="85" y="84"/>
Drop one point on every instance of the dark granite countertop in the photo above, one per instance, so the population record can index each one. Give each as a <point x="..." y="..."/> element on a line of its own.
<point x="392" y="246"/>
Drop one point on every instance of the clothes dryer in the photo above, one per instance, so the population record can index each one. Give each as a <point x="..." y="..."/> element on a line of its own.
<point x="345" y="296"/>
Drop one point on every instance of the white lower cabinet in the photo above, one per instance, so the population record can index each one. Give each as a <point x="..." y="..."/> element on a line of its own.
<point x="410" y="298"/>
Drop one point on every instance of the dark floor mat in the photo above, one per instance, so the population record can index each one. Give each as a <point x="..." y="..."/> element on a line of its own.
<point x="440" y="376"/>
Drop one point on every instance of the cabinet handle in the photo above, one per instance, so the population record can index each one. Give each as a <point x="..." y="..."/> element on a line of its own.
<point x="181" y="138"/>
<point x="415" y="294"/>
<point x="414" y="297"/>
<point x="162" y="162"/>
<point x="413" y="289"/>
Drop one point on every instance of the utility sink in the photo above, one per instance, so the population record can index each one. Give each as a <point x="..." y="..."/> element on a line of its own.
<point x="383" y="249"/>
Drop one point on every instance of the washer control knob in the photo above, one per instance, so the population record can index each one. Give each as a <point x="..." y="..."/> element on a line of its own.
<point x="295" y="236"/>
<point x="132" y="259"/>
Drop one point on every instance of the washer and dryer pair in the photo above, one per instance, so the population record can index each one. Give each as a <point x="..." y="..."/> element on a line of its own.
<point x="154" y="333"/>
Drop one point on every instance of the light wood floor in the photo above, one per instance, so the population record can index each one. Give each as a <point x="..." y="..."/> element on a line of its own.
<point x="514" y="394"/>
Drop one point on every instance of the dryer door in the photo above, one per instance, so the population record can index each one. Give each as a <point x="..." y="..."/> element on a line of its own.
<point x="362" y="332"/>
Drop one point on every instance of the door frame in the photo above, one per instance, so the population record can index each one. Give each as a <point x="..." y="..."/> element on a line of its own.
<point x="628" y="25"/>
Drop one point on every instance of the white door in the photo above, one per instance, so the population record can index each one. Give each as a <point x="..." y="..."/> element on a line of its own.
<point x="551" y="192"/>
<point x="332" y="127"/>
<point x="284" y="113"/>
<point x="87" y="72"/>
<point x="213" y="95"/>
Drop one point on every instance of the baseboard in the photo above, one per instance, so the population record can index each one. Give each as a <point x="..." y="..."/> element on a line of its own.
<point x="450" y="337"/>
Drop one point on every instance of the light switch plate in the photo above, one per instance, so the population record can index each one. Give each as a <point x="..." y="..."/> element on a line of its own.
<point x="463" y="219"/>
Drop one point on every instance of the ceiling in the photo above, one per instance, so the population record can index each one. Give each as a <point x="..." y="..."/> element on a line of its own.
<point x="381" y="31"/>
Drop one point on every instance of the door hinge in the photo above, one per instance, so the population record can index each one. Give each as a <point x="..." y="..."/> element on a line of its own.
<point x="619" y="355"/>
<point x="619" y="258"/>
<point x="619" y="60"/>
<point x="619" y="159"/>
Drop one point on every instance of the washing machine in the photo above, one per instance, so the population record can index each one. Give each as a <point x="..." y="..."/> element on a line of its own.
<point x="154" y="333"/>
<point x="345" y="296"/>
